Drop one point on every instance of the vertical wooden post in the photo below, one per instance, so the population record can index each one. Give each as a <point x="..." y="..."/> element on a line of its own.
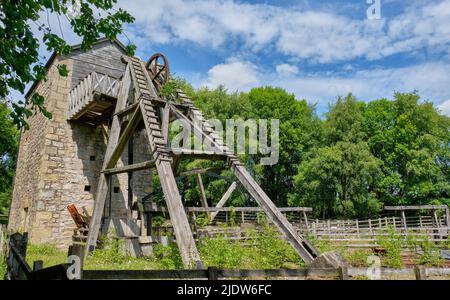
<point x="420" y="273"/>
<point x="329" y="227"/>
<point x="203" y="200"/>
<point x="306" y="221"/>
<point x="395" y="224"/>
<point x="213" y="273"/>
<point x="242" y="217"/>
<point x="436" y="219"/>
<point x="343" y="273"/>
<point x="38" y="265"/>
<point x="357" y="226"/>
<point x="405" y="227"/>
<point x="447" y="216"/>
<point x="420" y="221"/>
<point x="103" y="183"/>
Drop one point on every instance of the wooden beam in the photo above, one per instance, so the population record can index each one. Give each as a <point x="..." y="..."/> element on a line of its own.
<point x="305" y="249"/>
<point x="416" y="207"/>
<point x="155" y="208"/>
<point x="103" y="185"/>
<point x="127" y="110"/>
<point x="201" y="187"/>
<point x="198" y="154"/>
<point x="224" y="198"/>
<point x="127" y="132"/>
<point x="165" y="118"/>
<point x="130" y="168"/>
<point x="200" y="171"/>
<point x="183" y="233"/>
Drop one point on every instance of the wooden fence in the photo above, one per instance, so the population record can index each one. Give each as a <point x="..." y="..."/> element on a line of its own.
<point x="18" y="269"/>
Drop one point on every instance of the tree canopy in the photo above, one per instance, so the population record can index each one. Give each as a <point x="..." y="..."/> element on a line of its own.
<point x="20" y="63"/>
<point x="8" y="152"/>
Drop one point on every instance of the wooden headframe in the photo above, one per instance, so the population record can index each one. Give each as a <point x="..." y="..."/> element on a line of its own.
<point x="145" y="106"/>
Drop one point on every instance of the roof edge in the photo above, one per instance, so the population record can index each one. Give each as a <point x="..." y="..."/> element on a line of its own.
<point x="74" y="47"/>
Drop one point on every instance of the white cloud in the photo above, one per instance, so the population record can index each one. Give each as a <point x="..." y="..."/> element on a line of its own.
<point x="286" y="70"/>
<point x="431" y="80"/>
<point x="444" y="107"/>
<point x="234" y="75"/>
<point x="306" y="34"/>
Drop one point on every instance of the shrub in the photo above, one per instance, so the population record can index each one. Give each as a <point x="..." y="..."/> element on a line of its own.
<point x="392" y="243"/>
<point x="357" y="258"/>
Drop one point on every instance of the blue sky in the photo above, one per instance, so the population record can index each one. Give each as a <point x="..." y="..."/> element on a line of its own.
<point x="314" y="49"/>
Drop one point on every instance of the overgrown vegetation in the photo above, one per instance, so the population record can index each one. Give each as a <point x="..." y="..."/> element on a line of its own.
<point x="264" y="250"/>
<point x="2" y="267"/>
<point x="392" y="243"/>
<point x="8" y="149"/>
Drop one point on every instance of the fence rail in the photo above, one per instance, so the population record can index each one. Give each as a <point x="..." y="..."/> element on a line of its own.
<point x="18" y="269"/>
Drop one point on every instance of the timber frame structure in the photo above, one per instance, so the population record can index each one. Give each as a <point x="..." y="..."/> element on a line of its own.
<point x="138" y="104"/>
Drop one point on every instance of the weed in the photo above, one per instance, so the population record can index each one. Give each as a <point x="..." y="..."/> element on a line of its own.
<point x="392" y="242"/>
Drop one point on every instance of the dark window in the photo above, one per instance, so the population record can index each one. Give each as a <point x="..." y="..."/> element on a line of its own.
<point x="116" y="190"/>
<point x="87" y="188"/>
<point x="92" y="158"/>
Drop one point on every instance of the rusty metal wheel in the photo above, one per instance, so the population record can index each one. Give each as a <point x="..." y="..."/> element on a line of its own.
<point x="158" y="67"/>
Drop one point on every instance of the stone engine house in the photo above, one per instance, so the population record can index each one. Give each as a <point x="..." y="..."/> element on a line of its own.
<point x="60" y="160"/>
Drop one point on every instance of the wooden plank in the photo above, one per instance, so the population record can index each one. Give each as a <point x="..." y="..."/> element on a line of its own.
<point x="124" y="137"/>
<point x="274" y="214"/>
<point x="224" y="199"/>
<point x="201" y="187"/>
<point x="103" y="183"/>
<point x="198" y="154"/>
<point x="183" y="234"/>
<point x="165" y="118"/>
<point x="415" y="207"/>
<point x="131" y="168"/>
<point x="200" y="171"/>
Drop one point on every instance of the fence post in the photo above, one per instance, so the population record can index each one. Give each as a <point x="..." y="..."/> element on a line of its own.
<point x="38" y="265"/>
<point x="343" y="273"/>
<point x="420" y="273"/>
<point x="213" y="273"/>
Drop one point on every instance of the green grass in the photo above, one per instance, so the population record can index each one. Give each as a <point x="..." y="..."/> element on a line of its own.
<point x="357" y="258"/>
<point x="2" y="267"/>
<point x="266" y="251"/>
<point x="49" y="254"/>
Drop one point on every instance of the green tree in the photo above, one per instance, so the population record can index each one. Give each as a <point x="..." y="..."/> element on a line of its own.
<point x="20" y="63"/>
<point x="339" y="176"/>
<point x="8" y="149"/>
<point x="338" y="180"/>
<point x="299" y="132"/>
<point x="413" y="141"/>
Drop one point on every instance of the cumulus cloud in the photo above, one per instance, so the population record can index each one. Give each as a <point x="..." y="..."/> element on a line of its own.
<point x="444" y="107"/>
<point x="286" y="70"/>
<point x="235" y="75"/>
<point x="306" y="34"/>
<point x="431" y="80"/>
